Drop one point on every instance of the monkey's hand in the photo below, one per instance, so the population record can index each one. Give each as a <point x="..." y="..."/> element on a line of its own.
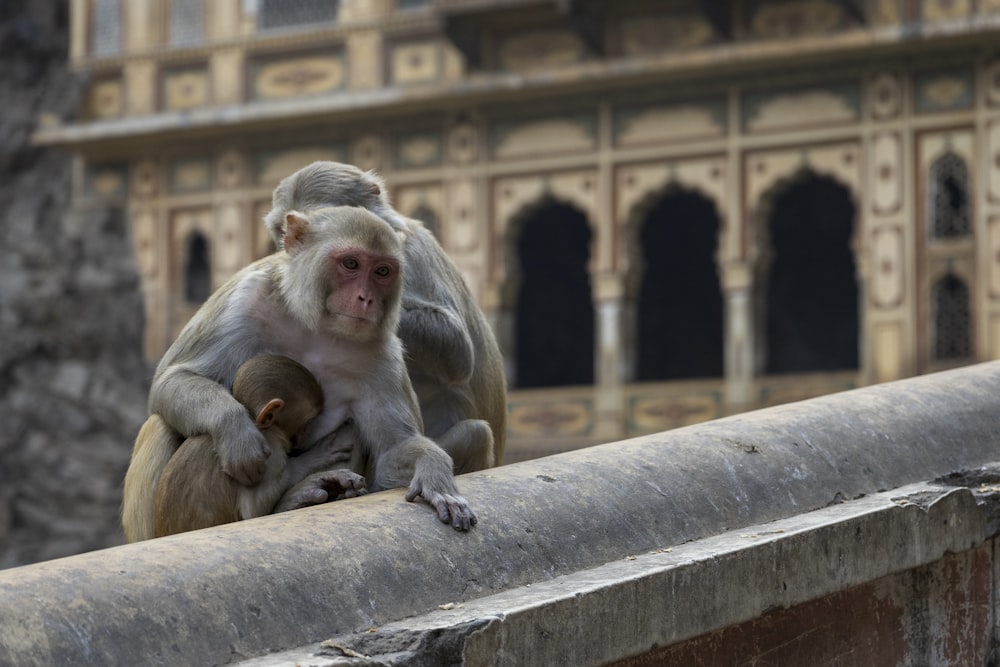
<point x="450" y="507"/>
<point x="243" y="451"/>
<point x="322" y="487"/>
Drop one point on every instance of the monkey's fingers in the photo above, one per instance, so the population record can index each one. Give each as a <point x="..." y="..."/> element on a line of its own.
<point x="450" y="508"/>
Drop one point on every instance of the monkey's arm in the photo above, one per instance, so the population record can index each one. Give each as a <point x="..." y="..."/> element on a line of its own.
<point x="194" y="404"/>
<point x="437" y="340"/>
<point x="389" y="424"/>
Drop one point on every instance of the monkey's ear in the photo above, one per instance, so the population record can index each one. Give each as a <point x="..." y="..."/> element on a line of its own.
<point x="269" y="413"/>
<point x="296" y="228"/>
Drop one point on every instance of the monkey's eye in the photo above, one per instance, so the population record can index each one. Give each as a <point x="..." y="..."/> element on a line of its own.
<point x="350" y="263"/>
<point x="383" y="271"/>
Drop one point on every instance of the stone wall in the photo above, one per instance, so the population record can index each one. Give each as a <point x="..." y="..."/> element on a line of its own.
<point x="72" y="379"/>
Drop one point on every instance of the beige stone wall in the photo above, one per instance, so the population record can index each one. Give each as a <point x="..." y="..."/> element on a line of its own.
<point x="738" y="135"/>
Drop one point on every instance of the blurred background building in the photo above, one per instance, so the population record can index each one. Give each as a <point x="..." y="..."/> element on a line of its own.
<point x="670" y="210"/>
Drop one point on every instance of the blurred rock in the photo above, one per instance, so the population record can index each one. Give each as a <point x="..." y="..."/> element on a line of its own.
<point x="73" y="382"/>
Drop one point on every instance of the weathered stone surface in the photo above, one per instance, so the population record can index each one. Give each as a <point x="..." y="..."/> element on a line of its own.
<point x="72" y="378"/>
<point x="245" y="589"/>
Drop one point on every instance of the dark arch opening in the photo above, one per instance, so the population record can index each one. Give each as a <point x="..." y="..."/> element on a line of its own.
<point x="680" y="330"/>
<point x="555" y="312"/>
<point x="198" y="270"/>
<point x="811" y="290"/>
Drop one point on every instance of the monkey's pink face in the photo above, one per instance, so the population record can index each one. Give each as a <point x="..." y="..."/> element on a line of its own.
<point x="362" y="285"/>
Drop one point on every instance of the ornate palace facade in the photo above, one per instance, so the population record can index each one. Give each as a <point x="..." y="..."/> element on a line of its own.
<point x="670" y="210"/>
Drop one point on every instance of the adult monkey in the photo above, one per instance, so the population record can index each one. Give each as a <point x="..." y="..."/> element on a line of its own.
<point x="332" y="302"/>
<point x="452" y="357"/>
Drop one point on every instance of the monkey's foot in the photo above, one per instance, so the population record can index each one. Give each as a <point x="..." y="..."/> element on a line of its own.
<point x="322" y="487"/>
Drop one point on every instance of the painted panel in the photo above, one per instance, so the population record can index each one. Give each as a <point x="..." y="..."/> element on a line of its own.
<point x="194" y="175"/>
<point x="106" y="180"/>
<point x="938" y="10"/>
<point x="653" y="413"/>
<point x="643" y="125"/>
<point x="539" y="49"/>
<point x="186" y="89"/>
<point x="547" y="136"/>
<point x="832" y="104"/>
<point x="415" y="62"/>
<point x="642" y="35"/>
<point x="105" y="99"/>
<point x="423" y="149"/>
<point x="541" y="417"/>
<point x="778" y="20"/>
<point x="944" y="90"/>
<point x="293" y="77"/>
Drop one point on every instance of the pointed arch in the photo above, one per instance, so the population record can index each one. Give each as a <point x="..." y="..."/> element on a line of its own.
<point x="549" y="294"/>
<point x="197" y="269"/>
<point x="806" y="278"/>
<point x="674" y="287"/>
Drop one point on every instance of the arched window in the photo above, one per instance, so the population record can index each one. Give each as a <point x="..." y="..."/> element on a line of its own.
<point x="811" y="291"/>
<point x="197" y="270"/>
<point x="555" y="311"/>
<point x="948" y="195"/>
<point x="952" y="330"/>
<point x="680" y="301"/>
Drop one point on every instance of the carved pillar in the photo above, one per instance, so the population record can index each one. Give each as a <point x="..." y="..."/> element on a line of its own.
<point x="737" y="286"/>
<point x="609" y="336"/>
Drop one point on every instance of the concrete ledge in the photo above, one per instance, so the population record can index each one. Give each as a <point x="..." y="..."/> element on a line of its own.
<point x="239" y="591"/>
<point x="662" y="597"/>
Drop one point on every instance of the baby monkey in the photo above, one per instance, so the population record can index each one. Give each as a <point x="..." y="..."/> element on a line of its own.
<point x="283" y="397"/>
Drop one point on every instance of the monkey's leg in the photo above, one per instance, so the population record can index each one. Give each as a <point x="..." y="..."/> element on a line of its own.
<point x="470" y="445"/>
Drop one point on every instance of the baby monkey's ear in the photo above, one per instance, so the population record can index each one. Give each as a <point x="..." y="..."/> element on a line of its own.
<point x="269" y="413"/>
